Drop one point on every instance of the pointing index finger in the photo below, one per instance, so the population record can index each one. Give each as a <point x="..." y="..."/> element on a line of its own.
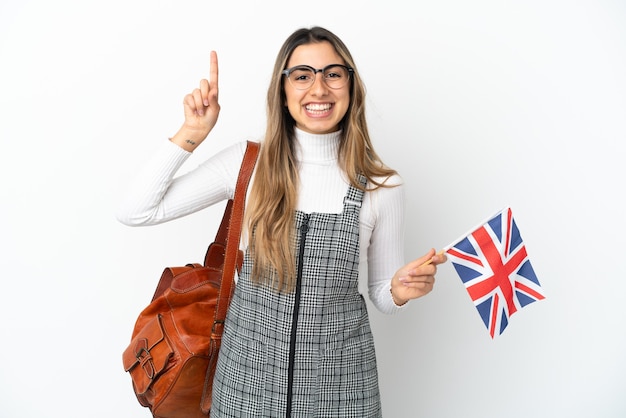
<point x="213" y="72"/>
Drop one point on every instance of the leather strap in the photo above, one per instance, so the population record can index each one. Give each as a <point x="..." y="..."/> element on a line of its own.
<point x="234" y="234"/>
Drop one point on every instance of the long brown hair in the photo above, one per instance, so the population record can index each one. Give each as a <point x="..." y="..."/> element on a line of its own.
<point x="273" y="195"/>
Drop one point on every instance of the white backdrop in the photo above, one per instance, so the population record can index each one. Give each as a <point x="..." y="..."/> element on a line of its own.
<point x="478" y="105"/>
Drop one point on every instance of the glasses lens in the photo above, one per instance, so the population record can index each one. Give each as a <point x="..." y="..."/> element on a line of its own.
<point x="336" y="76"/>
<point x="302" y="77"/>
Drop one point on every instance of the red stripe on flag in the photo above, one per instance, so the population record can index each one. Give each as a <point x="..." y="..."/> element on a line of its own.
<point x="494" y="315"/>
<point x="528" y="290"/>
<point x="509" y="220"/>
<point x="457" y="254"/>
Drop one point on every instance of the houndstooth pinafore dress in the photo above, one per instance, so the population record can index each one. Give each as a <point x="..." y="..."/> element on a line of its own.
<point x="310" y="352"/>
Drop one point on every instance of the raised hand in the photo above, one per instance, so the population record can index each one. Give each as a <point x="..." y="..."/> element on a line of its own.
<point x="201" y="109"/>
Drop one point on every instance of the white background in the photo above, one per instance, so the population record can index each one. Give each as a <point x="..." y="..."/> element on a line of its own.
<point x="477" y="104"/>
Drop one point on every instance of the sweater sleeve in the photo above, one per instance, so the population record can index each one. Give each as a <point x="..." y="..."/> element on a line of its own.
<point x="385" y="253"/>
<point x="156" y="195"/>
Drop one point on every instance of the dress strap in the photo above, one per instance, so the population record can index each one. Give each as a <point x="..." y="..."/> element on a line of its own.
<point x="354" y="196"/>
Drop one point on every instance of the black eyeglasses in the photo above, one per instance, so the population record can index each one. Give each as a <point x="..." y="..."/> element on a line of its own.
<point x="302" y="77"/>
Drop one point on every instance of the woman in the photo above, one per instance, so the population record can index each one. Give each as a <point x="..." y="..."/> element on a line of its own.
<point x="297" y="340"/>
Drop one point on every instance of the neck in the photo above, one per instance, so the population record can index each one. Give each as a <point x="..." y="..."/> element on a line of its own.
<point x="317" y="147"/>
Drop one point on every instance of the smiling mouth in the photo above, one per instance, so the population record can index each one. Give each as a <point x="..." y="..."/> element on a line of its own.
<point x="318" y="108"/>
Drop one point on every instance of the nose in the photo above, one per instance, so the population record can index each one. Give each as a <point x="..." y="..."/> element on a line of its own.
<point x="319" y="87"/>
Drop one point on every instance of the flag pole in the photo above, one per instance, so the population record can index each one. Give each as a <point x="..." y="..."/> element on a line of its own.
<point x="430" y="260"/>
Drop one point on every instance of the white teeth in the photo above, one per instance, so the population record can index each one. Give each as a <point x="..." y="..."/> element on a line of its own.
<point x="314" y="107"/>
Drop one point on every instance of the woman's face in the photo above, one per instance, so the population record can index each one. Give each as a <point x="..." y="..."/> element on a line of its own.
<point x="318" y="109"/>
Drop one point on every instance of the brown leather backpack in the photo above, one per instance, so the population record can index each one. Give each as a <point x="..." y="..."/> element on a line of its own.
<point x="176" y="339"/>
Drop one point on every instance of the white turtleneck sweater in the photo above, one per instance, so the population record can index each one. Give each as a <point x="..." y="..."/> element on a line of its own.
<point x="156" y="196"/>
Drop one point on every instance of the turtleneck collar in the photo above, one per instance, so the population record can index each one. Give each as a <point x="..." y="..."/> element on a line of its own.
<point x="317" y="148"/>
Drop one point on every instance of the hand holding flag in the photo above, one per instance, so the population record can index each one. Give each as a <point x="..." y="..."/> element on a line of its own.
<point x="417" y="278"/>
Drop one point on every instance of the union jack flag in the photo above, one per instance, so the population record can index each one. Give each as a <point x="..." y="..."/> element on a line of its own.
<point x="493" y="264"/>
